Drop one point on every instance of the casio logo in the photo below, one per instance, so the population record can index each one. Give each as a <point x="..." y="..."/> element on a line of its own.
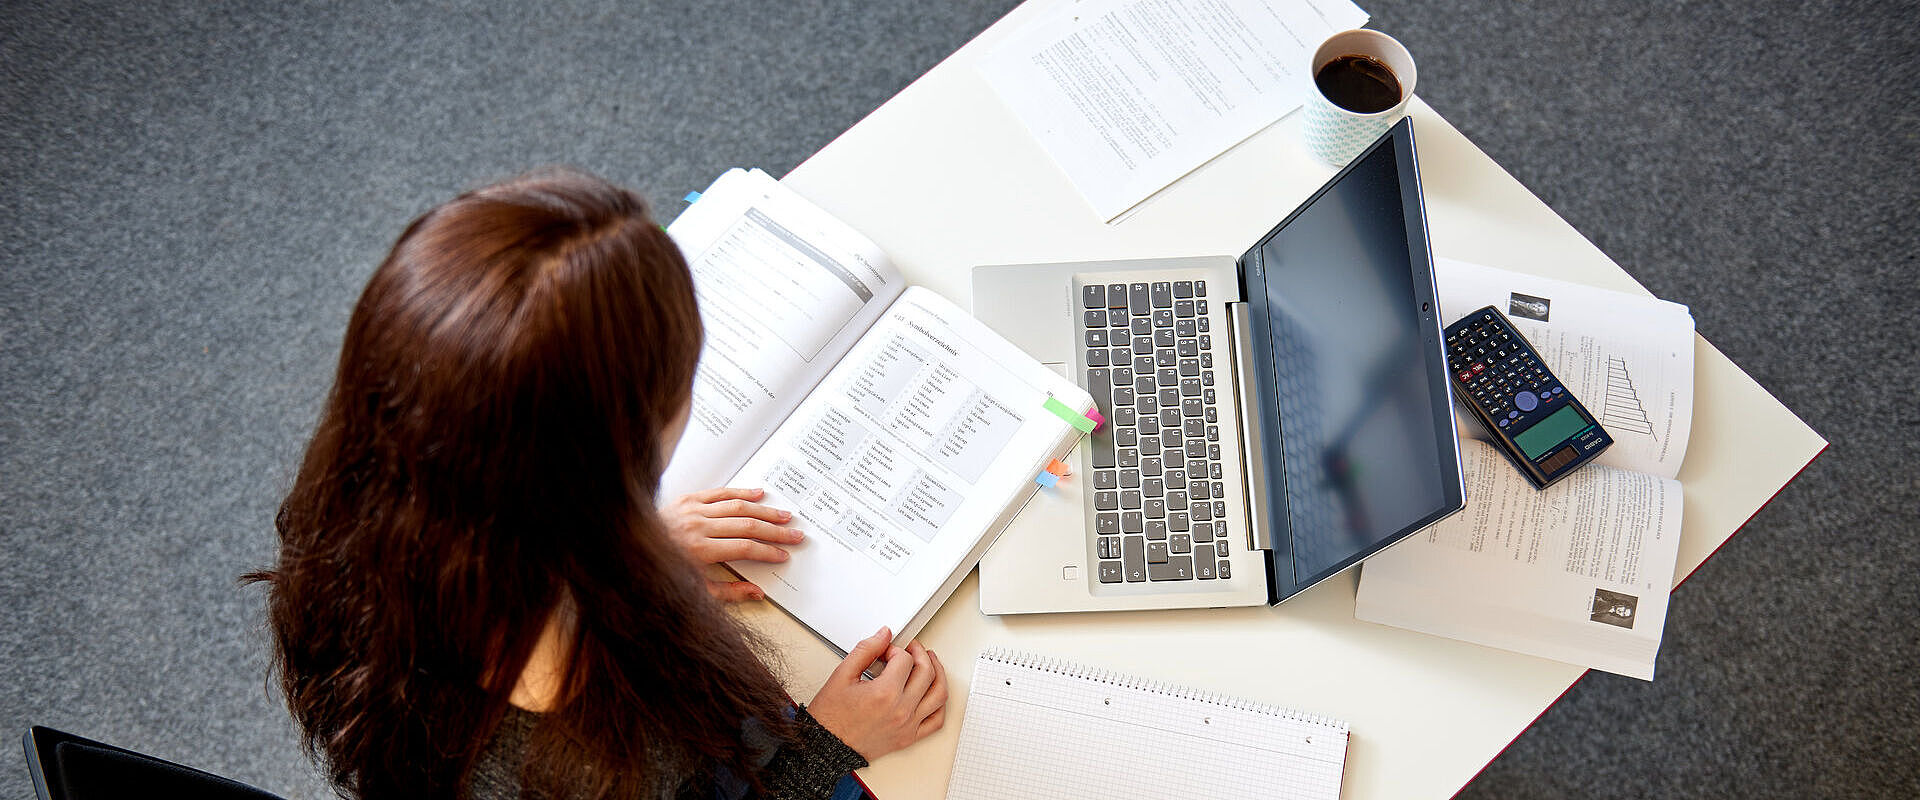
<point x="1589" y="445"/>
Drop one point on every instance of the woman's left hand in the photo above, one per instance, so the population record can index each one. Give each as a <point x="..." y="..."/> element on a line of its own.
<point x="727" y="524"/>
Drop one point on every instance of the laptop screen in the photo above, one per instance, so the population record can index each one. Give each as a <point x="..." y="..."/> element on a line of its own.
<point x="1353" y="391"/>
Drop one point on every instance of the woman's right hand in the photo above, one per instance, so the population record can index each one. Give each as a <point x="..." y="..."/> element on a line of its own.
<point x="907" y="701"/>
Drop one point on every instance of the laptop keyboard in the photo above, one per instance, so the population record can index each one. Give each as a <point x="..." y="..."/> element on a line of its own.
<point x="1158" y="507"/>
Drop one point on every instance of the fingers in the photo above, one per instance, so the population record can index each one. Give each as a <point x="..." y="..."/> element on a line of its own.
<point x="714" y="551"/>
<point x="745" y="510"/>
<point x="723" y="493"/>
<point x="742" y="528"/>
<point x="735" y="591"/>
<point x="862" y="656"/>
<point x="934" y="701"/>
<point x="921" y="679"/>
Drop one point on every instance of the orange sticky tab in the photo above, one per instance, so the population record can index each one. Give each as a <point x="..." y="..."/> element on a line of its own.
<point x="1059" y="468"/>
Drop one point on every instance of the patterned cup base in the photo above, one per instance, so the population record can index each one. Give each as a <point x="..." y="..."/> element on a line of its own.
<point x="1337" y="135"/>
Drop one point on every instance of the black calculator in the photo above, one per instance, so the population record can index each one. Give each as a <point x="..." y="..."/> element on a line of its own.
<point x="1533" y="419"/>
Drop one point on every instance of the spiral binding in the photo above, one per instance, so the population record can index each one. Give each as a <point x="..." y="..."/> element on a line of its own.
<point x="1071" y="669"/>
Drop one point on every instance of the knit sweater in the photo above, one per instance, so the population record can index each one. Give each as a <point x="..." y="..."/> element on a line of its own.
<point x="799" y="770"/>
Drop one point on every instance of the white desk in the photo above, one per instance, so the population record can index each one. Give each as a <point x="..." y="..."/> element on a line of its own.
<point x="945" y="178"/>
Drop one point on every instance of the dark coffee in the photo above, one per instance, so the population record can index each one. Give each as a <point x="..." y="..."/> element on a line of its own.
<point x="1361" y="84"/>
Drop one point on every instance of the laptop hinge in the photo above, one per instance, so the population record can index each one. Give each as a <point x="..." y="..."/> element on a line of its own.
<point x="1253" y="462"/>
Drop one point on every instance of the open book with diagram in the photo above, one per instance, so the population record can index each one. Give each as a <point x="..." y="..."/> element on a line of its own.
<point x="901" y="432"/>
<point x="1579" y="572"/>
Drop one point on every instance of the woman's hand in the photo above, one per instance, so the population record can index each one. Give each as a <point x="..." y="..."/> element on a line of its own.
<point x="720" y="525"/>
<point x="876" y="717"/>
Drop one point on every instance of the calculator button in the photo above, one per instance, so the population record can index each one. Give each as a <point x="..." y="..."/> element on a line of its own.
<point x="1526" y="401"/>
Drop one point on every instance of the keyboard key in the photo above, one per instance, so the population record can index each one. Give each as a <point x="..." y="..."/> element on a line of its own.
<point x="1156" y="530"/>
<point x="1156" y="552"/>
<point x="1106" y="501"/>
<point x="1177" y="568"/>
<point x="1106" y="523"/>
<point x="1124" y="416"/>
<point x="1155" y="507"/>
<point x="1094" y="319"/>
<point x="1127" y="437"/>
<point x="1203" y="532"/>
<point x="1178" y="522"/>
<point x="1093" y="296"/>
<point x="1183" y="288"/>
<point x="1133" y="556"/>
<point x="1129" y="479"/>
<point x="1162" y="293"/>
<point x="1180" y="545"/>
<point x="1110" y="572"/>
<point x="1162" y="318"/>
<point x="1199" y="512"/>
<point x="1105" y="479"/>
<point x="1198" y="490"/>
<point x="1150" y="425"/>
<point x="1176" y="478"/>
<point x="1132" y="522"/>
<point x="1103" y="454"/>
<point x="1150" y="466"/>
<point x="1203" y="554"/>
<point x="1199" y="288"/>
<point x="1116" y="295"/>
<point x="1131" y="499"/>
<point x="1183" y="308"/>
<point x="1185" y="330"/>
<point x="1122" y="396"/>
<point x="1153" y="487"/>
<point x="1138" y="300"/>
<point x="1141" y="326"/>
<point x="1226" y="569"/>
<point x="1130" y="458"/>
<point x="1220" y="544"/>
<point x="1097" y="357"/>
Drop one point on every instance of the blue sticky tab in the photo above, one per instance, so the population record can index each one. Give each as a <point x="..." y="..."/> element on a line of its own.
<point x="1046" y="479"/>
<point x="693" y="197"/>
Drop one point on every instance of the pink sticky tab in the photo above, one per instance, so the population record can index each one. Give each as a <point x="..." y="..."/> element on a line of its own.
<point x="1098" y="420"/>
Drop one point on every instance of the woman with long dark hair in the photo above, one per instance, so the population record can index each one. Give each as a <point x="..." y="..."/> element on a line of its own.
<point x="477" y="593"/>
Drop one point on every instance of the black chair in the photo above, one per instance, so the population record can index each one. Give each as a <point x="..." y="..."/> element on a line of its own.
<point x="69" y="767"/>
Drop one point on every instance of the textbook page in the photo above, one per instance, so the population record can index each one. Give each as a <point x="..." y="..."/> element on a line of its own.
<point x="785" y="290"/>
<point x="1579" y="572"/>
<point x="910" y="452"/>
<point x="1129" y="96"/>
<point x="1629" y="358"/>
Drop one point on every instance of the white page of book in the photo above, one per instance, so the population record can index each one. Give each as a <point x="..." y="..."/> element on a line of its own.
<point x="1628" y="358"/>
<point x="784" y="290"/>
<point x="1036" y="727"/>
<point x="1128" y="96"/>
<point x="1579" y="572"/>
<point x="909" y="450"/>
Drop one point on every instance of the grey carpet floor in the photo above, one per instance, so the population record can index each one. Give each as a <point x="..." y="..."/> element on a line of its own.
<point x="191" y="195"/>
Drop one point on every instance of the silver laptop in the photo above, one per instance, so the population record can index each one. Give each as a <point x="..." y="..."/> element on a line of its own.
<point x="1271" y="420"/>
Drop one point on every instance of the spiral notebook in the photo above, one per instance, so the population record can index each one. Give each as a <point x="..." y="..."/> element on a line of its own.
<point x="1043" y="728"/>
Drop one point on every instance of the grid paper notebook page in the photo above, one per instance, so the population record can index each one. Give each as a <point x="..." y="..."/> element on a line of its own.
<point x="1038" y="727"/>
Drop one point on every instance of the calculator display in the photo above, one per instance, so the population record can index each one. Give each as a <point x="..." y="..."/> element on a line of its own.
<point x="1549" y="432"/>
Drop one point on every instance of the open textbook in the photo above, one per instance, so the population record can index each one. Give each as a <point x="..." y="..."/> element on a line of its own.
<point x="1579" y="572"/>
<point x="901" y="432"/>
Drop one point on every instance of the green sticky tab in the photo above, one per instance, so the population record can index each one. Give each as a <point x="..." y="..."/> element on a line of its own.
<point x="1076" y="419"/>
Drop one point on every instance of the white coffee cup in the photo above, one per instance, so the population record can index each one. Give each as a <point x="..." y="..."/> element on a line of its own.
<point x="1337" y="134"/>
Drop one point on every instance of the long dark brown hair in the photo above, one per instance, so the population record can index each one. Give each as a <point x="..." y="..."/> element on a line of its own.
<point x="487" y="459"/>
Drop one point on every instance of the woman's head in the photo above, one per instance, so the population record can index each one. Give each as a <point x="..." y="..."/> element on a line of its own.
<point x="508" y="390"/>
<point x="529" y="342"/>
